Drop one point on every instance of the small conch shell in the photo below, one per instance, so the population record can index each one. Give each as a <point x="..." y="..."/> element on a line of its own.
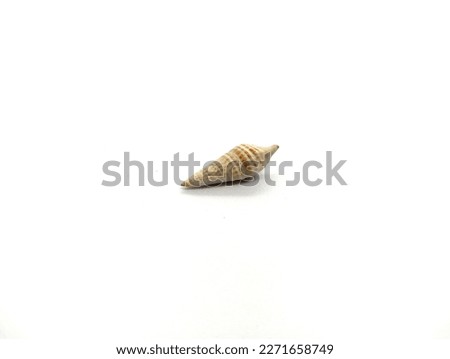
<point x="242" y="162"/>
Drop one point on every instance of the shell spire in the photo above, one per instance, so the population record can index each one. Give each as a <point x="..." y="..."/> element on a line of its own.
<point x="242" y="162"/>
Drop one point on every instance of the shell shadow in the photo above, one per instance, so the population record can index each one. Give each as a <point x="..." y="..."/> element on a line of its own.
<point x="239" y="188"/>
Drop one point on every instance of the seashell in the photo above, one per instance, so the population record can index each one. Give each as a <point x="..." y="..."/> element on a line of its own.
<point x="242" y="162"/>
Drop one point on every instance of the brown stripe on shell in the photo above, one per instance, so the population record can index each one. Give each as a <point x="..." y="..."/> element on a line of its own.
<point x="243" y="157"/>
<point x="248" y="153"/>
<point x="253" y="150"/>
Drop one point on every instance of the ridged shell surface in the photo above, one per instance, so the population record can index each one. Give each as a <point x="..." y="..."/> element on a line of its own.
<point x="242" y="162"/>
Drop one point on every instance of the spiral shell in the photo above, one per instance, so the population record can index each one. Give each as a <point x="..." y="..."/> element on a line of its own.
<point x="242" y="162"/>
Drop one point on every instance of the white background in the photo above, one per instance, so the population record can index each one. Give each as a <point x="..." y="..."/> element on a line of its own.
<point x="83" y="82"/>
